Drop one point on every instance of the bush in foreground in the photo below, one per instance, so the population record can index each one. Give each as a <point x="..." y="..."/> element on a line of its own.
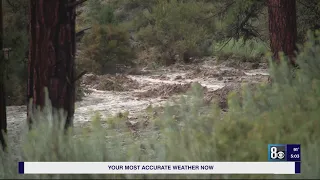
<point x="286" y="112"/>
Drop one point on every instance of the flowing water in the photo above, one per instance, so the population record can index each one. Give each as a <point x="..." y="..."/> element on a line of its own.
<point x="112" y="102"/>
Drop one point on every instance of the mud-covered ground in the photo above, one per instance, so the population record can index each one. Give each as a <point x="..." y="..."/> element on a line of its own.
<point x="135" y="91"/>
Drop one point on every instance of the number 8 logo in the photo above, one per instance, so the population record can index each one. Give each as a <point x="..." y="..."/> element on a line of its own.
<point x="274" y="153"/>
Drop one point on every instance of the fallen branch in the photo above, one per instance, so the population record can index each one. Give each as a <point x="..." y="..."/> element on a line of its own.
<point x="79" y="76"/>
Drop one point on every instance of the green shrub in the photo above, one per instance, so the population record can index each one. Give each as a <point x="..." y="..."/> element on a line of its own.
<point x="307" y="18"/>
<point x="106" y="44"/>
<point x="251" y="50"/>
<point x="106" y="16"/>
<point x="177" y="28"/>
<point x="103" y="48"/>
<point x="97" y="12"/>
<point x="286" y="112"/>
<point x="129" y="5"/>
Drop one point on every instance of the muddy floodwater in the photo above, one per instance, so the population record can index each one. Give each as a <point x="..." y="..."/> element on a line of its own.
<point x="151" y="88"/>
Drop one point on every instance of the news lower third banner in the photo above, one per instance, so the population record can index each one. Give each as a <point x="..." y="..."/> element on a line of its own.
<point x="159" y="167"/>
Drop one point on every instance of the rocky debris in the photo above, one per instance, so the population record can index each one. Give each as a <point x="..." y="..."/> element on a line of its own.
<point x="220" y="96"/>
<point x="116" y="82"/>
<point x="137" y="71"/>
<point x="87" y="79"/>
<point x="236" y="63"/>
<point x="161" y="77"/>
<point x="165" y="90"/>
<point x="214" y="73"/>
<point x="178" y="77"/>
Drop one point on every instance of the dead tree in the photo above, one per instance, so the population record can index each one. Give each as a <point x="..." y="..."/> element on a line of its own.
<point x="283" y="28"/>
<point x="52" y="55"/>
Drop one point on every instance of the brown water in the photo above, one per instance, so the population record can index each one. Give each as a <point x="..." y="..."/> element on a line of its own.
<point x="111" y="102"/>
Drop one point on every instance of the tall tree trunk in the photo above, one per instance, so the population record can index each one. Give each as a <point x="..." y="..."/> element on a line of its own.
<point x="283" y="28"/>
<point x="51" y="55"/>
<point x="3" y="115"/>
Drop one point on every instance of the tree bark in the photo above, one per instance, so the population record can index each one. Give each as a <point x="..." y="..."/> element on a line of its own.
<point x="283" y="28"/>
<point x="52" y="55"/>
<point x="3" y="115"/>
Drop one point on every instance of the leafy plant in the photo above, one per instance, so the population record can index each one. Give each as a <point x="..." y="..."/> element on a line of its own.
<point x="251" y="50"/>
<point x="103" y="48"/>
<point x="179" y="29"/>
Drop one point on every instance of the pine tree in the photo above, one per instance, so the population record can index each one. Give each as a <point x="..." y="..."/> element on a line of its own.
<point x="52" y="55"/>
<point x="282" y="28"/>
